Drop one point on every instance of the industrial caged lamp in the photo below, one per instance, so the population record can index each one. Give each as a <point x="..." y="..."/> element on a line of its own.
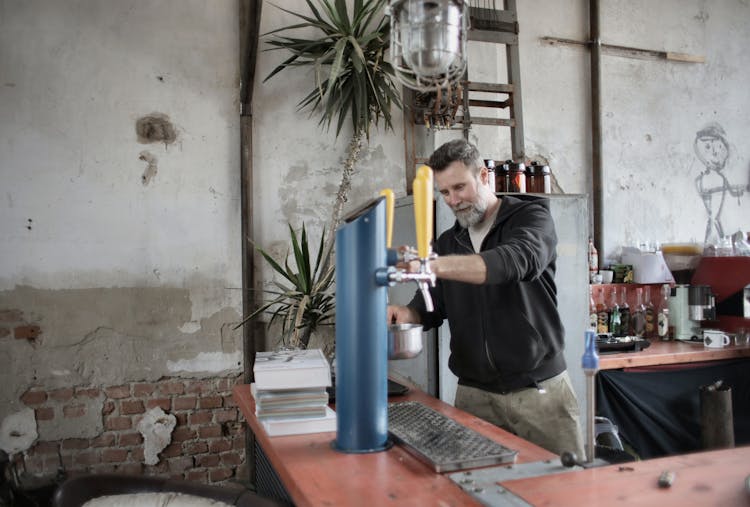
<point x="428" y="42"/>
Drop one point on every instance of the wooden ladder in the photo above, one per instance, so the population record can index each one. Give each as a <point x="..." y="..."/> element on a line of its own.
<point x="452" y="108"/>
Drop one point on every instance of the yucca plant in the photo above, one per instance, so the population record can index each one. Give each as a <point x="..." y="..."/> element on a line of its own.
<point x="303" y="300"/>
<point x="352" y="78"/>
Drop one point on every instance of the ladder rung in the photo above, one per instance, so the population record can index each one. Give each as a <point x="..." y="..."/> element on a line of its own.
<point x="490" y="87"/>
<point x="495" y="122"/>
<point x="490" y="103"/>
<point x="490" y="36"/>
<point x="492" y="15"/>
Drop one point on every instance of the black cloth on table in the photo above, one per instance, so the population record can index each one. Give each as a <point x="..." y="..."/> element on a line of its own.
<point x="658" y="412"/>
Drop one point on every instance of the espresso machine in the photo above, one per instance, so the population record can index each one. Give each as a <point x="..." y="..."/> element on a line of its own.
<point x="729" y="278"/>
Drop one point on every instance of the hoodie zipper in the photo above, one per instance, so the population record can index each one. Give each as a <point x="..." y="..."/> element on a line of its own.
<point x="469" y="247"/>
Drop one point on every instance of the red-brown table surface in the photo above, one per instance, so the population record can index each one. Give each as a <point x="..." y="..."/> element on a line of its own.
<point x="711" y="478"/>
<point x="314" y="474"/>
<point x="670" y="352"/>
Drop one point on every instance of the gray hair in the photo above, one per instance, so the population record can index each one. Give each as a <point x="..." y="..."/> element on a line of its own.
<point x="457" y="149"/>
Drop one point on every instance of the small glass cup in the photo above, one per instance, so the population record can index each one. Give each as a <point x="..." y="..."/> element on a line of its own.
<point x="742" y="337"/>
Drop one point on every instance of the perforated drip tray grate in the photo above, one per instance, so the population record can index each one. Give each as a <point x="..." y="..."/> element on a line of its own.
<point x="441" y="442"/>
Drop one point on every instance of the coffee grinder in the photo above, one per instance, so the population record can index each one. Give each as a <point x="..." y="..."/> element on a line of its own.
<point x="690" y="303"/>
<point x="689" y="306"/>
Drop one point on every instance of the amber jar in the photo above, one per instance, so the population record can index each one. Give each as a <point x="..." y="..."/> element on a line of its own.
<point x="502" y="177"/>
<point x="531" y="171"/>
<point x="517" y="177"/>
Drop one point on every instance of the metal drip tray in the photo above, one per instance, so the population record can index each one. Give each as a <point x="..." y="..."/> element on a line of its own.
<point x="441" y="442"/>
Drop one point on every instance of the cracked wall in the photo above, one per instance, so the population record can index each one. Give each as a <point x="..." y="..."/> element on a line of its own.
<point x="95" y="337"/>
<point x="105" y="336"/>
<point x="120" y="252"/>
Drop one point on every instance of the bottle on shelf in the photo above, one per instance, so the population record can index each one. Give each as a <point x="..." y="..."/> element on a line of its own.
<point x="531" y="171"/>
<point x="625" y="320"/>
<point x="503" y="177"/>
<point x="593" y="260"/>
<point x="517" y="177"/>
<point x="490" y="164"/>
<point x="602" y="314"/>
<point x="650" y="314"/>
<point x="593" y="311"/>
<point x="546" y="180"/>
<point x="639" y="314"/>
<point x="615" y="325"/>
<point x="662" y="316"/>
<point x="538" y="178"/>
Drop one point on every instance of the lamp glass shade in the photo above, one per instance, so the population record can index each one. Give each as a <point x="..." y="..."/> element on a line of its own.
<point x="430" y="35"/>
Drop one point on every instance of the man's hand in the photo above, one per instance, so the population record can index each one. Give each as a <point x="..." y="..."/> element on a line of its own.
<point x="402" y="315"/>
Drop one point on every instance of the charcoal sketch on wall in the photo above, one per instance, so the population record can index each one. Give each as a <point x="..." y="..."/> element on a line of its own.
<point x="712" y="148"/>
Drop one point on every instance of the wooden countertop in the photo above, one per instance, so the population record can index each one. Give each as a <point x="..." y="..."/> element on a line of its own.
<point x="701" y="479"/>
<point x="670" y="352"/>
<point x="314" y="474"/>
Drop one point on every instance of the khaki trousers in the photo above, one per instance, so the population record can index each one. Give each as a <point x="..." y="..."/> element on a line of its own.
<point x="550" y="420"/>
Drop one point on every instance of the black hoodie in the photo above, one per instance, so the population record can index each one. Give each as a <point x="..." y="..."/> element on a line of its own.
<point x="506" y="333"/>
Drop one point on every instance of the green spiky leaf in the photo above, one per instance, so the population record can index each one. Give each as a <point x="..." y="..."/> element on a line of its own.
<point x="352" y="78"/>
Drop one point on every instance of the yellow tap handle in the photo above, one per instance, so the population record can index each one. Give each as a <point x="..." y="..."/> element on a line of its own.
<point x="423" y="204"/>
<point x="389" y="204"/>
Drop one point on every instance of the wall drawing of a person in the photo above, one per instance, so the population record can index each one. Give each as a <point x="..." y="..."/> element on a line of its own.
<point x="712" y="148"/>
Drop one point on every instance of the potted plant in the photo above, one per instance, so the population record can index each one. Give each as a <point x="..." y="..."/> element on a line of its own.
<point x="352" y="78"/>
<point x="355" y="84"/>
<point x="301" y="300"/>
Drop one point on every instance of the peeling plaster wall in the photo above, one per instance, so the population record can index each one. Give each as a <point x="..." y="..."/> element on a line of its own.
<point x="652" y="110"/>
<point x="297" y="162"/>
<point x="119" y="155"/>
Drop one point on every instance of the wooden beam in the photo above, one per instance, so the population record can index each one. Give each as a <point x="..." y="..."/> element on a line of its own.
<point x="629" y="52"/>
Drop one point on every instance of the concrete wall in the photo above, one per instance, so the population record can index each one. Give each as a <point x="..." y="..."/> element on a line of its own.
<point x="120" y="251"/>
<point x="651" y="111"/>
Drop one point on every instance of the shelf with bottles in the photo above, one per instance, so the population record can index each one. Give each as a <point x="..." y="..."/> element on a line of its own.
<point x="653" y="289"/>
<point x="641" y="301"/>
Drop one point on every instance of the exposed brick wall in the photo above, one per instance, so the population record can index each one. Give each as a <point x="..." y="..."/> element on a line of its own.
<point x="12" y="323"/>
<point x="207" y="445"/>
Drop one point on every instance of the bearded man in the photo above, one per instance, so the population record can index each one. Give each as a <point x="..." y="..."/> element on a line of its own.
<point x="496" y="287"/>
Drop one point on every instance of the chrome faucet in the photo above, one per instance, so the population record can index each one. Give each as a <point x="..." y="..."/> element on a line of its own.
<point x="424" y="278"/>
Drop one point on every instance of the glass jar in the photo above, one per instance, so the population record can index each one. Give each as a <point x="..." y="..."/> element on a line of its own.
<point x="517" y="177"/>
<point x="531" y="177"/>
<point x="502" y="176"/>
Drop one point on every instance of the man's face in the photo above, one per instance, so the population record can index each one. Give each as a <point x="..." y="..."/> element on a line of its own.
<point x="468" y="196"/>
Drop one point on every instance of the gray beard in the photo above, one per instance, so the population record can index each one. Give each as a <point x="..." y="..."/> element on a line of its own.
<point x="469" y="217"/>
<point x="475" y="214"/>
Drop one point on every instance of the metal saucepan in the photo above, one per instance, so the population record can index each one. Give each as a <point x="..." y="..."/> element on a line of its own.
<point x="404" y="341"/>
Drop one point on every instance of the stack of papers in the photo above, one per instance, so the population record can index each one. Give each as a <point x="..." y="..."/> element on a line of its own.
<point x="290" y="392"/>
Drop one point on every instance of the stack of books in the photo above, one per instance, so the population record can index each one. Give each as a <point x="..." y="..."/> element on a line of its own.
<point x="290" y="392"/>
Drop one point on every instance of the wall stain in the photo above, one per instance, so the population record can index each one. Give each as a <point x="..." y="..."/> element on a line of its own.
<point x="151" y="168"/>
<point x="155" y="128"/>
